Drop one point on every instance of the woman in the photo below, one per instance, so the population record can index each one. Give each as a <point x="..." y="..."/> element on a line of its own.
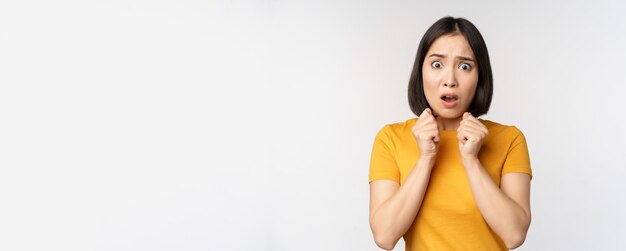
<point x="448" y="180"/>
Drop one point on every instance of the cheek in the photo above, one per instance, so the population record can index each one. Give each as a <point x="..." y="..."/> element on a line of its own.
<point x="430" y="80"/>
<point x="470" y="87"/>
<point x="430" y="86"/>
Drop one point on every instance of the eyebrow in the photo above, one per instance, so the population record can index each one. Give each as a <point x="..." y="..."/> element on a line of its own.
<point x="459" y="57"/>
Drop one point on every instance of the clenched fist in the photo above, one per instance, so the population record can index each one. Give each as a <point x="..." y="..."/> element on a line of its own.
<point x="471" y="134"/>
<point x="426" y="132"/>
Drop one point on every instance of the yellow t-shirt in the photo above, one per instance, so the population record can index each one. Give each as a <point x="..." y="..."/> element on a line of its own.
<point x="449" y="218"/>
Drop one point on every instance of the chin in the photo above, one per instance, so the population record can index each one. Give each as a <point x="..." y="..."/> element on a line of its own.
<point x="448" y="114"/>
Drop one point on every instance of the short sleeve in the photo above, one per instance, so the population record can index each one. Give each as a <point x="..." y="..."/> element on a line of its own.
<point x="517" y="159"/>
<point x="383" y="164"/>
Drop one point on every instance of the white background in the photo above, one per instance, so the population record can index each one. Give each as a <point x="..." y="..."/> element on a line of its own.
<point x="248" y="125"/>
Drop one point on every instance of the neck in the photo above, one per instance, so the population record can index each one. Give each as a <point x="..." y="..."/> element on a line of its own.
<point x="448" y="124"/>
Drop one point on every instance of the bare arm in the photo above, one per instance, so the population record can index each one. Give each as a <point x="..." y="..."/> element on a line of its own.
<point x="506" y="208"/>
<point x="393" y="207"/>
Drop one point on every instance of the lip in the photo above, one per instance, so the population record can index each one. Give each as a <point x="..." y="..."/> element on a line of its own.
<point x="449" y="104"/>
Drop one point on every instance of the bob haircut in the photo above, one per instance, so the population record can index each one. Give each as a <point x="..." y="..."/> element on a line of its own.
<point x="484" y="88"/>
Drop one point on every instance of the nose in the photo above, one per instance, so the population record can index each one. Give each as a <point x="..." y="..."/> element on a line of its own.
<point x="450" y="79"/>
<point x="449" y="84"/>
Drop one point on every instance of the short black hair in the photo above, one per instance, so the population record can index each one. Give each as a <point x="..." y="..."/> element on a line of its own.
<point x="484" y="88"/>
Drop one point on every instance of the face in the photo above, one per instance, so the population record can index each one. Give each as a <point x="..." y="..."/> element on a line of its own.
<point x="450" y="76"/>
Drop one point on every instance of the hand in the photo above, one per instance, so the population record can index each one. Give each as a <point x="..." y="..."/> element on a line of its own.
<point x="426" y="134"/>
<point x="471" y="134"/>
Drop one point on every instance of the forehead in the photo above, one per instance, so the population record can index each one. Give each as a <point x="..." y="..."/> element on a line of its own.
<point x="451" y="44"/>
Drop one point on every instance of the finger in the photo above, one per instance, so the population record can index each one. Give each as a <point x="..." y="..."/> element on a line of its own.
<point x="430" y="135"/>
<point x="424" y="116"/>
<point x="461" y="135"/>
<point x="477" y="125"/>
<point x="430" y="110"/>
<point x="466" y="133"/>
<point x="473" y="135"/>
<point x="436" y="138"/>
<point x="466" y="116"/>
<point x="426" y="111"/>
<point x="472" y="125"/>
<point x="425" y="122"/>
<point x="469" y="119"/>
<point x="430" y="122"/>
<point x="464" y="119"/>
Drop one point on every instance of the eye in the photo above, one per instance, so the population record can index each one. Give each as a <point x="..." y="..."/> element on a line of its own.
<point x="436" y="64"/>
<point x="465" y="67"/>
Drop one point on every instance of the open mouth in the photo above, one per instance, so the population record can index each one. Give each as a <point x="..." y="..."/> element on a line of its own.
<point x="449" y="98"/>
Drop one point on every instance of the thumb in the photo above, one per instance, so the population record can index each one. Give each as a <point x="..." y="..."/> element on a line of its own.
<point x="467" y="114"/>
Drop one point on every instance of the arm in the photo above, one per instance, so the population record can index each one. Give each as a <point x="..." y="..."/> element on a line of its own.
<point x="393" y="207"/>
<point x="506" y="208"/>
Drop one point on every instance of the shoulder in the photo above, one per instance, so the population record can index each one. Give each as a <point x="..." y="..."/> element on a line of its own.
<point x="397" y="133"/>
<point x="398" y="128"/>
<point x="501" y="130"/>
